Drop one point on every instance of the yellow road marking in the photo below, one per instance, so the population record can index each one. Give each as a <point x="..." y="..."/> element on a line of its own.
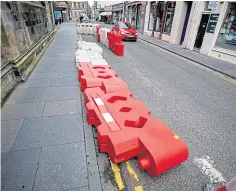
<point x="230" y="80"/>
<point x="138" y="188"/>
<point x="118" y="179"/>
<point x="131" y="171"/>
<point x="134" y="175"/>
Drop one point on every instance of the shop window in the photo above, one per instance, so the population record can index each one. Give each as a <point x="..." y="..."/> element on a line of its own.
<point x="227" y="35"/>
<point x="152" y="16"/>
<point x="207" y="6"/>
<point x="170" y="11"/>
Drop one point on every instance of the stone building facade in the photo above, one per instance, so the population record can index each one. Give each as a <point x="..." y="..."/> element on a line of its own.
<point x="27" y="28"/>
<point x="79" y="8"/>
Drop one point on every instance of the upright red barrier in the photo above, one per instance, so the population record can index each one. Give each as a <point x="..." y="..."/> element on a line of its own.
<point x="115" y="43"/>
<point x="98" y="27"/>
<point x="125" y="130"/>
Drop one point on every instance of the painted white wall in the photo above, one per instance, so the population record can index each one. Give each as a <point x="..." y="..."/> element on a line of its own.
<point x="223" y="54"/>
<point x="193" y="24"/>
<point x="147" y="17"/>
<point x="210" y="38"/>
<point x="178" y="22"/>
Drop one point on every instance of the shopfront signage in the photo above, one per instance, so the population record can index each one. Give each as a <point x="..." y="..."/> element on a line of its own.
<point x="212" y="23"/>
<point x="212" y="4"/>
<point x="117" y="7"/>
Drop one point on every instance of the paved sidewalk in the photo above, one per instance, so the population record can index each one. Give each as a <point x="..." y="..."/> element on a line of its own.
<point x="46" y="144"/>
<point x="210" y="62"/>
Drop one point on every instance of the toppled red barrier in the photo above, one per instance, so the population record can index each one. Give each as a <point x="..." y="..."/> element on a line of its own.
<point x="115" y="43"/>
<point x="125" y="130"/>
<point x="100" y="76"/>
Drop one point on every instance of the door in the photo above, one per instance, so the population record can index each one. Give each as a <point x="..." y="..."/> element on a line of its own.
<point x="201" y="30"/>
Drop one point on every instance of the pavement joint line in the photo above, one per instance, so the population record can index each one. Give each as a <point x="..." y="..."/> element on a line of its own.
<point x="11" y="150"/>
<point x="37" y="168"/>
<point x="133" y="174"/>
<point x="118" y="179"/>
<point x="227" y="78"/>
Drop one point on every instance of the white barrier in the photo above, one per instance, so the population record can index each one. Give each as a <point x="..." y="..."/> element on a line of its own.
<point x="89" y="51"/>
<point x="86" y="28"/>
<point x="103" y="36"/>
<point x="93" y="47"/>
<point x="97" y="62"/>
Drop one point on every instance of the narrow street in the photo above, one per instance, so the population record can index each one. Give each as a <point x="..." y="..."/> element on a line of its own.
<point x="197" y="104"/>
<point x="48" y="146"/>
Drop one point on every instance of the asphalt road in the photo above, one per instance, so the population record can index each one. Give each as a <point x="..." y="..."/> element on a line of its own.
<point x="195" y="103"/>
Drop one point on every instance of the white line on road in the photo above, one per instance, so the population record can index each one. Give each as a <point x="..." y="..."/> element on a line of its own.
<point x="207" y="168"/>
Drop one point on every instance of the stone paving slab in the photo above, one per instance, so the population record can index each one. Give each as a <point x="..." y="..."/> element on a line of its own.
<point x="18" y="169"/>
<point x="47" y="131"/>
<point x="65" y="81"/>
<point x="57" y="93"/>
<point x="61" y="167"/>
<point x="20" y="111"/>
<point x="62" y="108"/>
<point x="36" y="83"/>
<point x="22" y="95"/>
<point x="84" y="188"/>
<point x="9" y="129"/>
<point x="39" y="75"/>
<point x="43" y="123"/>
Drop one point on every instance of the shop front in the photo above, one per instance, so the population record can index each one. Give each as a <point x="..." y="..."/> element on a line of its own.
<point x="136" y="14"/>
<point x="226" y="38"/>
<point x="117" y="12"/>
<point x="162" y="15"/>
<point x="212" y="30"/>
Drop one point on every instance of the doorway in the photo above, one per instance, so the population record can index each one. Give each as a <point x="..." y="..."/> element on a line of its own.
<point x="189" y="6"/>
<point x="201" y="31"/>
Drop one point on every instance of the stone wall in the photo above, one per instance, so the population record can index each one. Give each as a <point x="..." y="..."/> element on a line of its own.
<point x="22" y="26"/>
<point x="27" y="29"/>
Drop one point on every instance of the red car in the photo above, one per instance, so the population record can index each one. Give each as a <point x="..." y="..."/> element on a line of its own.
<point x="126" y="30"/>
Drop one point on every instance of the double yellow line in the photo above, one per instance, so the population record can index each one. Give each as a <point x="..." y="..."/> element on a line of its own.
<point x="118" y="178"/>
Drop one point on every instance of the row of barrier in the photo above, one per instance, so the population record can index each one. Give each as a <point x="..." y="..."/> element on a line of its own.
<point x="86" y="28"/>
<point x="89" y="52"/>
<point x="124" y="125"/>
<point x="110" y="39"/>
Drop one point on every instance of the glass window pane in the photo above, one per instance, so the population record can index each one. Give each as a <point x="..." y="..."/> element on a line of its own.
<point x="170" y="11"/>
<point x="227" y="35"/>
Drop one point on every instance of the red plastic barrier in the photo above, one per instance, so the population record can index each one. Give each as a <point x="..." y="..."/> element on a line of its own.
<point x="119" y="49"/>
<point x="115" y="43"/>
<point x="125" y="130"/>
<point x="86" y="70"/>
<point x="98" y="27"/>
<point x="100" y="76"/>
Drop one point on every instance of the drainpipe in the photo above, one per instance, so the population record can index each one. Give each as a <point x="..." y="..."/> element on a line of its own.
<point x="155" y="19"/>
<point x="163" y="21"/>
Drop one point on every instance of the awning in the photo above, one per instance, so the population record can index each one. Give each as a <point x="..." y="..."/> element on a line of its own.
<point x="105" y="14"/>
